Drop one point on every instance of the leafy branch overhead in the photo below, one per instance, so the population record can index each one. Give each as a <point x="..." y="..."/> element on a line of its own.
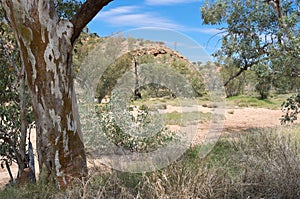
<point x="85" y="14"/>
<point x="261" y="32"/>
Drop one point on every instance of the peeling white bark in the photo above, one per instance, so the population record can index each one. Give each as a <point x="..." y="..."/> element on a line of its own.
<point x="56" y="119"/>
<point x="60" y="43"/>
<point x="71" y="123"/>
<point x="65" y="141"/>
<point x="65" y="29"/>
<point x="31" y="57"/>
<point x="21" y="19"/>
<point x="46" y="53"/>
<point x="57" y="164"/>
<point x="44" y="18"/>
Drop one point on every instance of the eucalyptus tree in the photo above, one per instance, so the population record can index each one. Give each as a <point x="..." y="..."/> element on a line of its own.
<point x="260" y="35"/>
<point x="46" y="44"/>
<point x="15" y="110"/>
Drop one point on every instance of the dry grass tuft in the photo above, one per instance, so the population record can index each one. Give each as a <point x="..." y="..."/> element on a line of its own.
<point x="268" y="165"/>
<point x="260" y="164"/>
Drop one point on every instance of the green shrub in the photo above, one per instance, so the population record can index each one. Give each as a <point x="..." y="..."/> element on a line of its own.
<point x="143" y="132"/>
<point x="291" y="109"/>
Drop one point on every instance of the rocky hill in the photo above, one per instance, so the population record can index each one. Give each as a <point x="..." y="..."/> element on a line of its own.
<point x="112" y="57"/>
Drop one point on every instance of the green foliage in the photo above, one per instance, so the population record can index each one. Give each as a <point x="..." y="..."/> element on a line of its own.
<point x="155" y="91"/>
<point x="219" y="10"/>
<point x="220" y="154"/>
<point x="29" y="191"/>
<point x="273" y="102"/>
<point x="88" y="51"/>
<point x="258" y="32"/>
<point x="110" y="77"/>
<point x="285" y="84"/>
<point x="148" y="65"/>
<point x="67" y="8"/>
<point x="237" y="85"/>
<point x="191" y="75"/>
<point x="264" y="80"/>
<point x="146" y="59"/>
<point x="183" y="119"/>
<point x="140" y="137"/>
<point x="165" y="80"/>
<point x="263" y="87"/>
<point x="291" y="108"/>
<point x="83" y="46"/>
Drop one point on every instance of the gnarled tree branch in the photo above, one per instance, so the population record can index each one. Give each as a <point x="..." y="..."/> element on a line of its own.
<point x="85" y="14"/>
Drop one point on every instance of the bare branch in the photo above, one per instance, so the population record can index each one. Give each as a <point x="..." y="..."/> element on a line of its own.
<point x="235" y="75"/>
<point x="219" y="33"/>
<point x="85" y="14"/>
<point x="240" y="72"/>
<point x="261" y="50"/>
<point x="276" y="5"/>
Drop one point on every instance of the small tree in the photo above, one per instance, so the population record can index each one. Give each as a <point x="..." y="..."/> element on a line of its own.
<point x="264" y="79"/>
<point x="263" y="87"/>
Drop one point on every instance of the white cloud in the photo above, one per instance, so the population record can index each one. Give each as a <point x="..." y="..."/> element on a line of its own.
<point x="209" y="31"/>
<point x="116" y="11"/>
<point x="168" y="2"/>
<point x="133" y="16"/>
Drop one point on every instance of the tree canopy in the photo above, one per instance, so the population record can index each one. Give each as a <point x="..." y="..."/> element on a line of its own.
<point x="261" y="35"/>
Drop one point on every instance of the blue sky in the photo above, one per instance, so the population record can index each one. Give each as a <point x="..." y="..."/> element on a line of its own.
<point x="183" y="17"/>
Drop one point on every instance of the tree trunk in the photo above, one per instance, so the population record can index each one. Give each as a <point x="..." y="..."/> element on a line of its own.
<point x="46" y="52"/>
<point x="137" y="93"/>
